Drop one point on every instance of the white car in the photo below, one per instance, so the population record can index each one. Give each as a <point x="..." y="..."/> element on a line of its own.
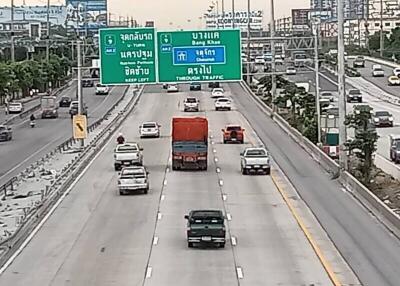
<point x="102" y="89"/>
<point x="15" y="107"/>
<point x="393" y="80"/>
<point x="396" y="71"/>
<point x="278" y="60"/>
<point x="172" y="87"/>
<point x="191" y="104"/>
<point x="259" y="60"/>
<point x="127" y="154"/>
<point x="133" y="179"/>
<point x="223" y="103"/>
<point x="378" y="71"/>
<point x="149" y="129"/>
<point x="327" y="95"/>
<point x="217" y="92"/>
<point x="291" y="70"/>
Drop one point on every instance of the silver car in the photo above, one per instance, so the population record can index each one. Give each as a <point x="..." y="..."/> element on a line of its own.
<point x="132" y="179"/>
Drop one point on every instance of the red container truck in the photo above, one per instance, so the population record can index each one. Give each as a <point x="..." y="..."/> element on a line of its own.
<point x="189" y="143"/>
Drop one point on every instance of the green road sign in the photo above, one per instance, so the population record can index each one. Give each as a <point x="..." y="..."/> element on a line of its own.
<point x="207" y="55"/>
<point x="127" y="56"/>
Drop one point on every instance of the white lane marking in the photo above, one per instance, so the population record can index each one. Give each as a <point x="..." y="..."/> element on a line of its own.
<point x="233" y="241"/>
<point x="212" y="142"/>
<point x="211" y="136"/>
<point x="216" y="159"/>
<point x="239" y="272"/>
<point x="218" y="170"/>
<point x="167" y="169"/>
<point x="162" y="197"/>
<point x="47" y="216"/>
<point x="159" y="216"/>
<point x="214" y="151"/>
<point x="221" y="182"/>
<point x="229" y="216"/>
<point x="149" y="271"/>
<point x="28" y="158"/>
<point x="155" y="240"/>
<point x="165" y="182"/>
<point x="224" y="197"/>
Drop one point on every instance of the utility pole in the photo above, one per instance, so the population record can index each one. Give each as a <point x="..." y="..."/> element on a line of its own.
<point x="316" y="66"/>
<point x="381" y="38"/>
<point x="273" y="67"/>
<point x="48" y="32"/>
<point x="12" y="50"/>
<point x="80" y="98"/>
<point x="342" y="88"/>
<point x="233" y="14"/>
<point x="248" y="42"/>
<point x="223" y="14"/>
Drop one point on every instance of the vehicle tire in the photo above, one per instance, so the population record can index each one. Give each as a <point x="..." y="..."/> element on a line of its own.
<point x="116" y="168"/>
<point x="10" y="138"/>
<point x="268" y="171"/>
<point x="121" y="193"/>
<point x="174" y="168"/>
<point x="216" y="109"/>
<point x="360" y="100"/>
<point x="244" y="171"/>
<point x="225" y="141"/>
<point x="190" y="244"/>
<point x="145" y="191"/>
<point x="229" y="109"/>
<point x="222" y="245"/>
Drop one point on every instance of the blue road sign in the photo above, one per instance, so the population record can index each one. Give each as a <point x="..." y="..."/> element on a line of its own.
<point x="199" y="55"/>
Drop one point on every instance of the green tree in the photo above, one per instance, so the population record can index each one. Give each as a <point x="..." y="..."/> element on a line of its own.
<point x="24" y="74"/>
<point x="364" y="143"/>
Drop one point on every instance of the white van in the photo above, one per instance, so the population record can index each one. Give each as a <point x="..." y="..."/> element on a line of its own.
<point x="377" y="70"/>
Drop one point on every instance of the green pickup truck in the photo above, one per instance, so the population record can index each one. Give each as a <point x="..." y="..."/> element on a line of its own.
<point x="206" y="226"/>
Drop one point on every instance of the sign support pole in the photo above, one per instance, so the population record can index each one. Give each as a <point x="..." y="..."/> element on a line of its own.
<point x="80" y="99"/>
<point x="12" y="32"/>
<point x="273" y="67"/>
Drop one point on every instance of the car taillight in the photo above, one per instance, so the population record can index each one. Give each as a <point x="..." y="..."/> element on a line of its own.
<point x="177" y="157"/>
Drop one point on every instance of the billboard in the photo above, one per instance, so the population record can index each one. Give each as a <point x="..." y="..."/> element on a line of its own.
<point x="300" y="17"/>
<point x="86" y="15"/>
<point x="58" y="14"/>
<point x="224" y="20"/>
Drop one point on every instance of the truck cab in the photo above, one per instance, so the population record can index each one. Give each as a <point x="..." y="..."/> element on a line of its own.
<point x="206" y="226"/>
<point x="49" y="107"/>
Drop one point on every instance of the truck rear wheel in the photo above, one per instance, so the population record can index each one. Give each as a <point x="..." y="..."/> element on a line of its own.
<point x="268" y="171"/>
<point x="190" y="244"/>
<point x="222" y="245"/>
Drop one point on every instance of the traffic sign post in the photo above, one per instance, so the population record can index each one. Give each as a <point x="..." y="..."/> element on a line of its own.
<point x="206" y="55"/>
<point x="79" y="123"/>
<point x="127" y="56"/>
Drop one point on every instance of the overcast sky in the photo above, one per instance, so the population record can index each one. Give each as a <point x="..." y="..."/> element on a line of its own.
<point x="176" y="13"/>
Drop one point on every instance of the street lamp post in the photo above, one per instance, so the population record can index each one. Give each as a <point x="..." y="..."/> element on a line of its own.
<point x="316" y="66"/>
<point x="248" y="42"/>
<point x="381" y="35"/>
<point x="273" y="67"/>
<point x="80" y="98"/>
<point x="12" y="51"/>
<point x="48" y="32"/>
<point x="341" y="86"/>
<point x="233" y="14"/>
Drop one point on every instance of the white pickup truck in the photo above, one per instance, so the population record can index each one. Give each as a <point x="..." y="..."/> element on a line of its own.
<point x="255" y="160"/>
<point x="127" y="154"/>
<point x="133" y="179"/>
<point x="191" y="104"/>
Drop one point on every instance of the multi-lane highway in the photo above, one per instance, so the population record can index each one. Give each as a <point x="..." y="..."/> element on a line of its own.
<point x="30" y="144"/>
<point x="97" y="237"/>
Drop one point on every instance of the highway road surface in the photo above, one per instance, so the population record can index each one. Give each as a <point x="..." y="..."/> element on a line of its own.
<point x="30" y="144"/>
<point x="97" y="237"/>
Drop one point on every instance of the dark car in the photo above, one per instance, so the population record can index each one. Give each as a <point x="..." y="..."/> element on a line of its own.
<point x="86" y="82"/>
<point x="65" y="101"/>
<point x="354" y="95"/>
<point x="73" y="109"/>
<point x="195" y="86"/>
<point x="206" y="226"/>
<point x="383" y="118"/>
<point x="214" y="84"/>
<point x="5" y="133"/>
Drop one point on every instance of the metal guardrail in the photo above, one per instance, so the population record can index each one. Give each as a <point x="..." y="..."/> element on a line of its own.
<point x="8" y="186"/>
<point x="69" y="172"/>
<point x="362" y="193"/>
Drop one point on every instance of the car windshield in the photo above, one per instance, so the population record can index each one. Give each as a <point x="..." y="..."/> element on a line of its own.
<point x="256" y="153"/>
<point x="218" y="90"/>
<point x="382" y="113"/>
<point x="127" y="149"/>
<point x="137" y="173"/>
<point x="300" y="57"/>
<point x="207" y="217"/>
<point x="233" y="128"/>
<point x="191" y="100"/>
<point x="15" y="104"/>
<point x="100" y="85"/>
<point x="378" y="69"/>
<point x="290" y="68"/>
<point x="74" y="104"/>
<point x="326" y="94"/>
<point x="354" y="91"/>
<point x="223" y="100"/>
<point x="149" y="125"/>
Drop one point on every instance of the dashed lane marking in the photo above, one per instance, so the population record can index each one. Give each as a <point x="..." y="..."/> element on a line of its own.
<point x="233" y="241"/>
<point x="228" y="216"/>
<point x="155" y="240"/>
<point x="239" y="272"/>
<point x="149" y="271"/>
